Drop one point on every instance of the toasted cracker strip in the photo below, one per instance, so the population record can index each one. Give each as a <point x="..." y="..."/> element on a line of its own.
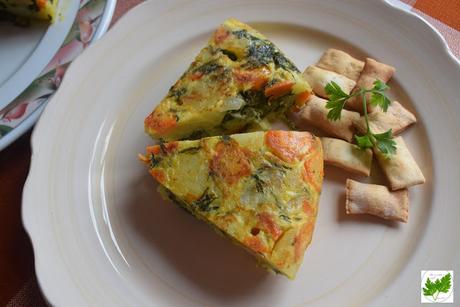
<point x="362" y="198"/>
<point x="347" y="156"/>
<point x="400" y="169"/>
<point x="318" y="78"/>
<point x="372" y="71"/>
<point x="397" y="118"/>
<point x="341" y="63"/>
<point x="314" y="113"/>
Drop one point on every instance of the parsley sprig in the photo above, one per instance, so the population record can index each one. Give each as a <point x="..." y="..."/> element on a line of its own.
<point x="337" y="100"/>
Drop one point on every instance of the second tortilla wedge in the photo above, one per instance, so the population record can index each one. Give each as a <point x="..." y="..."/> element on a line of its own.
<point x="260" y="189"/>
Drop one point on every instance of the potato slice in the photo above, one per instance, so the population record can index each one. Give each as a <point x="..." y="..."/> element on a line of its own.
<point x="374" y="199"/>
<point x="400" y="169"/>
<point x="397" y="118"/>
<point x="372" y="71"/>
<point x="314" y="113"/>
<point x="347" y="156"/>
<point x="318" y="78"/>
<point x="342" y="63"/>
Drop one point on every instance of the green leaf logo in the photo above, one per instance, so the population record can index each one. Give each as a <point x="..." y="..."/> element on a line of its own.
<point x="434" y="287"/>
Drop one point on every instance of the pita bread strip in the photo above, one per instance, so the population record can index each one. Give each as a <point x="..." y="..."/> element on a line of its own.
<point x="314" y="113"/>
<point x="362" y="198"/>
<point x="401" y="169"/>
<point x="347" y="156"/>
<point x="342" y="63"/>
<point x="397" y="118"/>
<point x="318" y="78"/>
<point x="372" y="71"/>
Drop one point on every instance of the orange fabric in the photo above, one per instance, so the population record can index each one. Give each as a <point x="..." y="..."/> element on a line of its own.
<point x="446" y="11"/>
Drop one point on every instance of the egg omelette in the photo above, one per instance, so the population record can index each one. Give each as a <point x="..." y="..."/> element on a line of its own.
<point x="238" y="82"/>
<point x="260" y="189"/>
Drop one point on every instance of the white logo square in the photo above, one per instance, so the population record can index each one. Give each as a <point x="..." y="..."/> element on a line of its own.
<point x="437" y="287"/>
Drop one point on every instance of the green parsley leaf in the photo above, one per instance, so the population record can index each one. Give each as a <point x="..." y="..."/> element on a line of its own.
<point x="385" y="142"/>
<point x="439" y="285"/>
<point x="364" y="141"/>
<point x="334" y="91"/>
<point x="378" y="99"/>
<point x="337" y="100"/>
<point x="379" y="86"/>
<point x="430" y="288"/>
<point x="336" y="107"/>
<point x="444" y="283"/>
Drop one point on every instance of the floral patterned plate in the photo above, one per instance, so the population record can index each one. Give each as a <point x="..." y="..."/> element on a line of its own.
<point x="91" y="22"/>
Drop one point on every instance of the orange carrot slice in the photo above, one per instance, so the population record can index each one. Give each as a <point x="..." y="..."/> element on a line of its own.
<point x="279" y="89"/>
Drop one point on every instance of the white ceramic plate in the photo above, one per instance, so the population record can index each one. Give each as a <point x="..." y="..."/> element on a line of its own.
<point x="102" y="236"/>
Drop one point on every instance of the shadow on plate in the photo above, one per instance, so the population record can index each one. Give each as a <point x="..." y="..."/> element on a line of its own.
<point x="214" y="264"/>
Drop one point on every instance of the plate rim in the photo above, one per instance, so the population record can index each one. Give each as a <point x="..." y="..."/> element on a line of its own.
<point x="434" y="33"/>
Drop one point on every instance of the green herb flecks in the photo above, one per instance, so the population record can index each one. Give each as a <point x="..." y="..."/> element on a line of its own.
<point x="263" y="52"/>
<point x="205" y="201"/>
<point x="208" y="68"/>
<point x="154" y="161"/>
<point x="282" y="168"/>
<point x="197" y="134"/>
<point x="226" y="138"/>
<point x="242" y="34"/>
<point x="163" y="148"/>
<point x="174" y="199"/>
<point x="177" y="93"/>
<point x="255" y="106"/>
<point x="259" y="183"/>
<point x="337" y="100"/>
<point x="260" y="52"/>
<point x="254" y="109"/>
<point x="190" y="150"/>
<point x="230" y="54"/>
<point x="283" y="62"/>
<point x="285" y="218"/>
